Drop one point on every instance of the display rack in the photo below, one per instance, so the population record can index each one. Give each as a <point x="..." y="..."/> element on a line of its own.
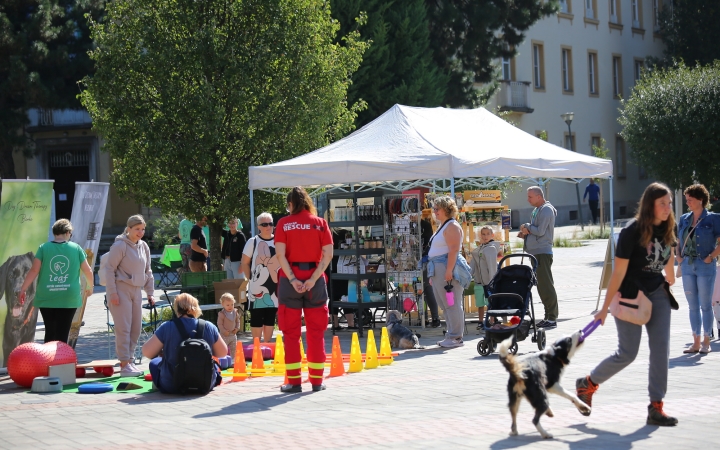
<point x="360" y="217"/>
<point x="403" y="251"/>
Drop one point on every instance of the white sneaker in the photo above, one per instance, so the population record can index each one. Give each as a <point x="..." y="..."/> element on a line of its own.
<point x="137" y="369"/>
<point x="451" y="343"/>
<point x="130" y="371"/>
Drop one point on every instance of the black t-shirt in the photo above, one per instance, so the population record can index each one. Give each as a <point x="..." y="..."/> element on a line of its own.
<point x="233" y="245"/>
<point x="197" y="233"/>
<point x="426" y="233"/>
<point x="645" y="264"/>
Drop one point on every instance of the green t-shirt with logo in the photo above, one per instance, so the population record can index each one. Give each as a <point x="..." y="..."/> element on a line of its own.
<point x="58" y="284"/>
<point x="184" y="229"/>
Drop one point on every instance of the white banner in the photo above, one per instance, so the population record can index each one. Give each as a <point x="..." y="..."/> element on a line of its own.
<point x="87" y="217"/>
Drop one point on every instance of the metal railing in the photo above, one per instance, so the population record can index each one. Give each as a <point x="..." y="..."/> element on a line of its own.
<point x="513" y="96"/>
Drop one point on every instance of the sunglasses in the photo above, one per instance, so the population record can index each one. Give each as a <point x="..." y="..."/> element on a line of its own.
<point x="265" y="225"/>
<point x="435" y="208"/>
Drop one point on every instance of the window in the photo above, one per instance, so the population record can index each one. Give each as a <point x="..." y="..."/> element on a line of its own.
<point x="590" y="6"/>
<point x="506" y="72"/>
<point x="636" y="7"/>
<point x="567" y="75"/>
<point x="569" y="141"/>
<point x="538" y="66"/>
<point x="593" y="74"/>
<point x="565" y="6"/>
<point x="656" y="15"/>
<point x="594" y="142"/>
<point x="620" y="157"/>
<point x="615" y="12"/>
<point x="617" y="76"/>
<point x="638" y="69"/>
<point x="642" y="173"/>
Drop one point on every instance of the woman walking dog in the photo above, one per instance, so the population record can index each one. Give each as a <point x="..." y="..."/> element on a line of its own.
<point x="644" y="249"/>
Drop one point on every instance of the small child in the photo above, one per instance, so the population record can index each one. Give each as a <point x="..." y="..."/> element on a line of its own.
<point x="483" y="263"/>
<point x="228" y="323"/>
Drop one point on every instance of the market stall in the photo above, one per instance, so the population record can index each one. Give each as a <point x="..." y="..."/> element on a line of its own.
<point x="444" y="150"/>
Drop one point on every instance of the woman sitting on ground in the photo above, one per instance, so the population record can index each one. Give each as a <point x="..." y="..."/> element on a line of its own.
<point x="167" y="339"/>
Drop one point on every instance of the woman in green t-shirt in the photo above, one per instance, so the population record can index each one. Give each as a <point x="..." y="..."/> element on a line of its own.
<point x="58" y="264"/>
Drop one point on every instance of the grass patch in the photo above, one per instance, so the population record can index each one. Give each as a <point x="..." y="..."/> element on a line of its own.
<point x="567" y="242"/>
<point x="596" y="233"/>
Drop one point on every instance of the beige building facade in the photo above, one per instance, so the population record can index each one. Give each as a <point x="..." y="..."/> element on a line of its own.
<point x="582" y="60"/>
<point x="67" y="151"/>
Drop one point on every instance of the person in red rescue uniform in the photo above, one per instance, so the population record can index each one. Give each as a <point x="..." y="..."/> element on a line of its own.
<point x="304" y="247"/>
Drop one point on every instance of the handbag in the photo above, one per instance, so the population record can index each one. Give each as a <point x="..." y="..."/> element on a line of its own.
<point x="634" y="310"/>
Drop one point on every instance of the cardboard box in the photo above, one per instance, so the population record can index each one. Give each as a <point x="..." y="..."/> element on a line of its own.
<point x="235" y="287"/>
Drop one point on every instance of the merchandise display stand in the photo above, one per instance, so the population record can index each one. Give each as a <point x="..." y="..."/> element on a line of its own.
<point x="359" y="216"/>
<point x="403" y="251"/>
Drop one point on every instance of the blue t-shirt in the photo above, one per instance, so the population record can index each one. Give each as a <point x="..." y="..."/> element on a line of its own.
<point x="592" y="191"/>
<point x="171" y="339"/>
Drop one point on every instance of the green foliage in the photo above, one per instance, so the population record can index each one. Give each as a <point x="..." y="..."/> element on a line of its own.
<point x="188" y="94"/>
<point x="165" y="229"/>
<point x="468" y="36"/>
<point x="564" y="241"/>
<point x="671" y="124"/>
<point x="596" y="233"/>
<point x="601" y="151"/>
<point x="398" y="66"/>
<point x="43" y="54"/>
<point x="543" y="135"/>
<point x="690" y="31"/>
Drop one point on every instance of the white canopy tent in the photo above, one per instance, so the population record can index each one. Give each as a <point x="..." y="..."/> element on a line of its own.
<point x="412" y="146"/>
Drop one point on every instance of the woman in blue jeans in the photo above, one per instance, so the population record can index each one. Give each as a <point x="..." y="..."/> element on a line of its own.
<point x="698" y="233"/>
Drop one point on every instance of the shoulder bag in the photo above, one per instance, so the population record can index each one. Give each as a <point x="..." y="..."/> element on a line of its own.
<point x="634" y="310"/>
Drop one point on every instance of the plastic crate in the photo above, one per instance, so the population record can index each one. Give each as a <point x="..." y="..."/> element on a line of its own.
<point x="202" y="278"/>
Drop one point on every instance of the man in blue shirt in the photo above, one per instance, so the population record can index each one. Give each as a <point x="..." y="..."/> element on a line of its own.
<point x="593" y="191"/>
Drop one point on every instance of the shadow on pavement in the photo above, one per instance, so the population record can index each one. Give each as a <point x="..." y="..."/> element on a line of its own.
<point x="256" y="405"/>
<point x="600" y="438"/>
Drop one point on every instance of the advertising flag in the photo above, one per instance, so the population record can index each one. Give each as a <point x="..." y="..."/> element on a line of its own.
<point x="87" y="218"/>
<point x="24" y="220"/>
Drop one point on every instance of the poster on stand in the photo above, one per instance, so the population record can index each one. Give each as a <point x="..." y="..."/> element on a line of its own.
<point x="87" y="217"/>
<point x="24" y="220"/>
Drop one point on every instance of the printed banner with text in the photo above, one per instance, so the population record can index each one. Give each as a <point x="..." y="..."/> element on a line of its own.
<point x="87" y="218"/>
<point x="24" y="219"/>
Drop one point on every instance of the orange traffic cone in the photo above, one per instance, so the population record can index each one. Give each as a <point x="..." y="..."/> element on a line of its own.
<point x="356" y="364"/>
<point x="239" y="365"/>
<point x="371" y="353"/>
<point x="337" y="367"/>
<point x="258" y="364"/>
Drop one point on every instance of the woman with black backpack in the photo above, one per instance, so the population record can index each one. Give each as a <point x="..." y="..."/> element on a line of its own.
<point x="200" y="374"/>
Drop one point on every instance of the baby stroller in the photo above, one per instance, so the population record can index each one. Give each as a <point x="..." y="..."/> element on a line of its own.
<point x="511" y="296"/>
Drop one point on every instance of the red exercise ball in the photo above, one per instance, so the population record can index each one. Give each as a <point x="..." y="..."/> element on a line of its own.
<point x="31" y="360"/>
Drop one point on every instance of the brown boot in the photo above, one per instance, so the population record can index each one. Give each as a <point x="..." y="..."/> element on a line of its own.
<point x="656" y="416"/>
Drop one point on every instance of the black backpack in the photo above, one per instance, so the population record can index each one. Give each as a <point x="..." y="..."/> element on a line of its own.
<point x="195" y="366"/>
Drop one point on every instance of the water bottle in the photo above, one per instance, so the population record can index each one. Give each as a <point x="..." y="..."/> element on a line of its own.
<point x="449" y="294"/>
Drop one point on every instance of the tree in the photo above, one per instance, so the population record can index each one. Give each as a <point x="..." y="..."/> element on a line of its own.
<point x="188" y="94"/>
<point x="671" y="124"/>
<point x="43" y="54"/>
<point x="398" y="67"/>
<point x="690" y="32"/>
<point x="467" y="36"/>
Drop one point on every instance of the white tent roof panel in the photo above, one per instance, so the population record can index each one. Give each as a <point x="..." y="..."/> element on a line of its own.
<point x="410" y="143"/>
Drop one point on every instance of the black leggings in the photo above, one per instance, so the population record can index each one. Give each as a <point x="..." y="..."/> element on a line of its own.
<point x="57" y="323"/>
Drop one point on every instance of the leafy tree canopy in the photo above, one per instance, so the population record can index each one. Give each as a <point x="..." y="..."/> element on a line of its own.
<point x="43" y="54"/>
<point x="467" y="36"/>
<point x="671" y="123"/>
<point x="188" y="94"/>
<point x="690" y="31"/>
<point x="398" y="67"/>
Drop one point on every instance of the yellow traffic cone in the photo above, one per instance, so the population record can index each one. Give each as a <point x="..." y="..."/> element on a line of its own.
<point x="279" y="361"/>
<point x="385" y="357"/>
<point x="371" y="353"/>
<point x="356" y="364"/>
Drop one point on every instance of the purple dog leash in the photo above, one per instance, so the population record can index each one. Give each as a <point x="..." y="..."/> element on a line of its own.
<point x="587" y="331"/>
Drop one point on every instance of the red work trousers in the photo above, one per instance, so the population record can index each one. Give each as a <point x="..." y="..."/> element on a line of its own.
<point x="290" y="322"/>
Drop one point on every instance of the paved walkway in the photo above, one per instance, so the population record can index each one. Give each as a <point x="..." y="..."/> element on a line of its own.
<point x="427" y="399"/>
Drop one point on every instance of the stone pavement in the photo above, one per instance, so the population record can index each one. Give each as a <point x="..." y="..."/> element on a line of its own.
<point x="426" y="399"/>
